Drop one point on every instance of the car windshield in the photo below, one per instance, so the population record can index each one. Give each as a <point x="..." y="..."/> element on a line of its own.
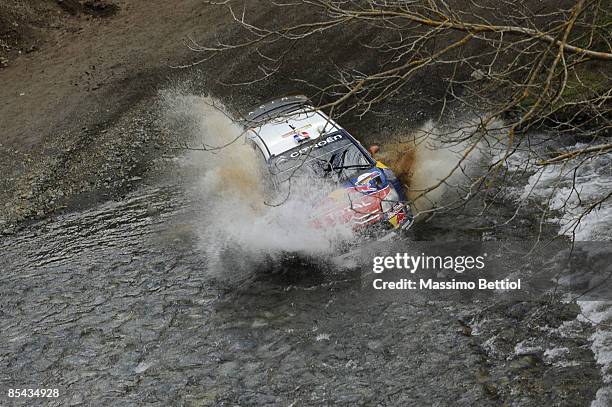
<point x="334" y="156"/>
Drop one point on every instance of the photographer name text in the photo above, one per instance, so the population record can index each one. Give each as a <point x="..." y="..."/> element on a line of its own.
<point x="430" y="284"/>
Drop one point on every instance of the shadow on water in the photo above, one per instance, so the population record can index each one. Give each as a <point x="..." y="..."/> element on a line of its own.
<point x="289" y="273"/>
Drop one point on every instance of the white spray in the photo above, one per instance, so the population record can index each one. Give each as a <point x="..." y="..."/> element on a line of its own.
<point x="437" y="162"/>
<point x="237" y="216"/>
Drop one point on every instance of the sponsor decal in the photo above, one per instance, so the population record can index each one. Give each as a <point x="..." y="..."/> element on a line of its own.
<point x="328" y="140"/>
<point x="297" y="131"/>
<point x="397" y="219"/>
<point x="300" y="137"/>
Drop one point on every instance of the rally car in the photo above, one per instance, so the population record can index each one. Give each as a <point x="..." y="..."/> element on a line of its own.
<point x="297" y="141"/>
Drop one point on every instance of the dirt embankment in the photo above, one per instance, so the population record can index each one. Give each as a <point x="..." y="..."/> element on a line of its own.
<point x="70" y="133"/>
<point x="78" y="118"/>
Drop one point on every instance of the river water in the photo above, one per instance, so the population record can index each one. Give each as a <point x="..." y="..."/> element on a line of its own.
<point x="186" y="293"/>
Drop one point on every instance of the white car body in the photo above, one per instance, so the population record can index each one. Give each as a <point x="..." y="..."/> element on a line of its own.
<point x="276" y="136"/>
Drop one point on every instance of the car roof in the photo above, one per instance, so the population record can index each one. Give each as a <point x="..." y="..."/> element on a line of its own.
<point x="276" y="135"/>
<point x="275" y="108"/>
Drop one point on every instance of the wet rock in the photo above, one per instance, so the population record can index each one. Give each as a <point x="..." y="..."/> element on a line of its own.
<point x="143" y="366"/>
<point x="490" y="390"/>
<point x="507" y="335"/>
<point x="259" y="323"/>
<point x="229" y="369"/>
<point x="520" y="310"/>
<point x="351" y="364"/>
<point x="243" y="345"/>
<point x="525" y="362"/>
<point x="466" y="330"/>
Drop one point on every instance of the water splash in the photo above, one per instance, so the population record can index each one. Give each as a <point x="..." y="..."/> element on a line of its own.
<point x="436" y="162"/>
<point x="239" y="216"/>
